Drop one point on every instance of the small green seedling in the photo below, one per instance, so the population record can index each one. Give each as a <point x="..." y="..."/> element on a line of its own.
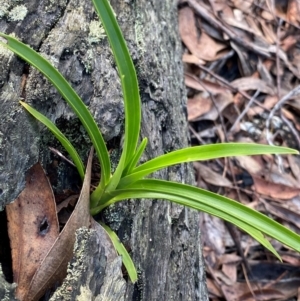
<point x="128" y="181"/>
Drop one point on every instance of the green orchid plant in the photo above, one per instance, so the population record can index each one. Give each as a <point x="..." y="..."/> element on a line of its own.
<point x="129" y="179"/>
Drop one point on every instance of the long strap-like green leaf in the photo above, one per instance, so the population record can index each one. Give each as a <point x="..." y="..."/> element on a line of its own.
<point x="129" y="86"/>
<point x="68" y="93"/>
<point x="244" y="217"/>
<point x="127" y="261"/>
<point x="201" y="153"/>
<point x="59" y="135"/>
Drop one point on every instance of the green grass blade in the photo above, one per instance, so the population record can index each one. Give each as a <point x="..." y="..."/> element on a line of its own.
<point x="137" y="156"/>
<point x="209" y="202"/>
<point x="129" y="83"/>
<point x="127" y="261"/>
<point x="68" y="93"/>
<point x="59" y="135"/>
<point x="200" y="153"/>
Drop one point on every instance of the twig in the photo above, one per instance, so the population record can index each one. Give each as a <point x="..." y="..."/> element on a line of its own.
<point x="196" y="135"/>
<point x="216" y="63"/>
<point x="291" y="127"/>
<point x="245" y="110"/>
<point x="57" y="152"/>
<point x="202" y="12"/>
<point x="278" y="58"/>
<point x="291" y="94"/>
<point x="226" y="83"/>
<point x="267" y="10"/>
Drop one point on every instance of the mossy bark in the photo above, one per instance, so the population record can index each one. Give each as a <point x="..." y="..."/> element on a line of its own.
<point x="163" y="238"/>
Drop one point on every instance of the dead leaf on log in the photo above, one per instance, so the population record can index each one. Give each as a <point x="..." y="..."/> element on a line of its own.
<point x="32" y="227"/>
<point x="54" y="266"/>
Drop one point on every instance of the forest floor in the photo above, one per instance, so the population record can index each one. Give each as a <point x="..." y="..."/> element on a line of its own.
<point x="242" y="71"/>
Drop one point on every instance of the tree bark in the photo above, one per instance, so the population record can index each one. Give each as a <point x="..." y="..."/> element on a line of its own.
<point x="164" y="238"/>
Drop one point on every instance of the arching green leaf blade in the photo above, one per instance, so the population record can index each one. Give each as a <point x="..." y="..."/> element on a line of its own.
<point x="127" y="261"/>
<point x="202" y="200"/>
<point x="200" y="153"/>
<point x="59" y="135"/>
<point x="137" y="156"/>
<point x="68" y="93"/>
<point x="129" y="83"/>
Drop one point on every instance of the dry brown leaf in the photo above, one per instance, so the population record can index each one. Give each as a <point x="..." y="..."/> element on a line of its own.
<point x="267" y="15"/>
<point x="250" y="164"/>
<point x="273" y="190"/>
<point x="219" y="5"/>
<point x="269" y="103"/>
<point x="250" y="83"/>
<point x="232" y="293"/>
<point x="238" y="21"/>
<point x="289" y="42"/>
<point x="229" y="258"/>
<point x="263" y="294"/>
<point x="221" y="102"/>
<point x="264" y="72"/>
<point x="289" y="115"/>
<point x="244" y="62"/>
<point x="193" y="82"/>
<point x="219" y="274"/>
<point x="244" y="6"/>
<point x="283" y="178"/>
<point x="294" y="163"/>
<point x="198" y="106"/>
<point x="241" y="292"/>
<point x="32" y="227"/>
<point x="292" y="258"/>
<point x="210" y="49"/>
<point x="188" y="30"/>
<point x="211" y="177"/>
<point x="215" y="234"/>
<point x="203" y="47"/>
<point x="230" y="270"/>
<point x="54" y="266"/>
<point x="295" y="103"/>
<point x="71" y="200"/>
<point x="213" y="288"/>
<point x="293" y="11"/>
<point x="253" y="23"/>
<point x="192" y="59"/>
<point x="269" y="34"/>
<point x="289" y="215"/>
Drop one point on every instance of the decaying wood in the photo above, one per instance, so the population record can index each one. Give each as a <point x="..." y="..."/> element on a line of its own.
<point x="91" y="273"/>
<point x="163" y="238"/>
